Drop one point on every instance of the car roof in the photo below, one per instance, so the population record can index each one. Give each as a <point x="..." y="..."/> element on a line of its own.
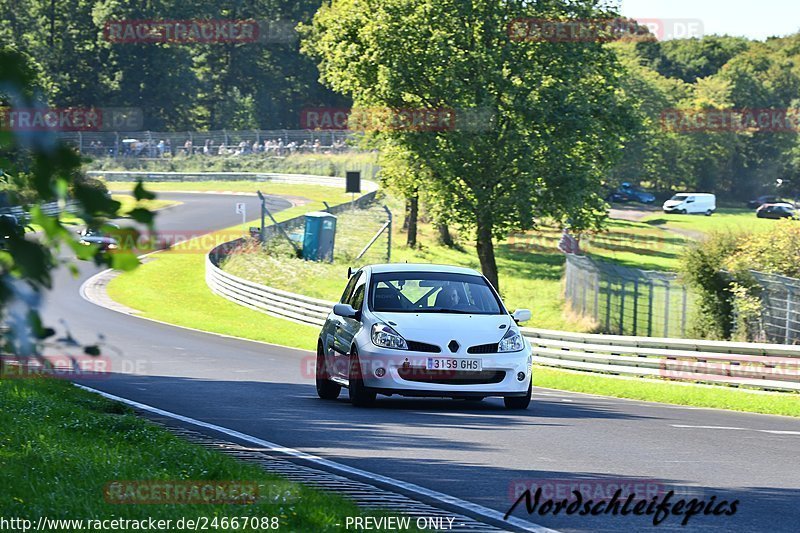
<point x="420" y="267"/>
<point x="784" y="204"/>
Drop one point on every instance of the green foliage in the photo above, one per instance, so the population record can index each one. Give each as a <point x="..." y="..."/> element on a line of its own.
<point x="555" y="118"/>
<point x="702" y="269"/>
<point x="718" y="268"/>
<point x="40" y="169"/>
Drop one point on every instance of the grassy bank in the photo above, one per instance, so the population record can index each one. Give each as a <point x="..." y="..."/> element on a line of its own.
<point x="62" y="446"/>
<point x="317" y="164"/>
<point x="129" y="203"/>
<point x="713" y="396"/>
<point x="312" y="193"/>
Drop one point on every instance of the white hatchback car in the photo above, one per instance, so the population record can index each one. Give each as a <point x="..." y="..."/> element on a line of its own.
<point x="423" y="330"/>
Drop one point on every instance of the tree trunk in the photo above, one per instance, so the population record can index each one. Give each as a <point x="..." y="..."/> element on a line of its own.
<point x="413" y="214"/>
<point x="405" y="214"/>
<point x="444" y="235"/>
<point x="486" y="252"/>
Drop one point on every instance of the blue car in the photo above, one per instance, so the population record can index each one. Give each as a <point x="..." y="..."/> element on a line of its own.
<point x="627" y="193"/>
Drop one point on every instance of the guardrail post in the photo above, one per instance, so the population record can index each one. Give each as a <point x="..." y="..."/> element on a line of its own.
<point x="787" y="335"/>
<point x="651" y="286"/>
<point x="389" y="240"/>
<point x="635" y="305"/>
<point x="684" y="311"/>
<point x="666" y="309"/>
<point x="622" y="309"/>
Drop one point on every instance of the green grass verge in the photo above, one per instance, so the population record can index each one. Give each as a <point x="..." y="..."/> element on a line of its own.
<point x="713" y="396"/>
<point x="62" y="446"/>
<point x="129" y="203"/>
<point x="724" y="219"/>
<point x="316" y="164"/>
<point x="315" y="193"/>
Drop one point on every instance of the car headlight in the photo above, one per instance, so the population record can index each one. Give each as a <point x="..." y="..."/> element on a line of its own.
<point x="511" y="342"/>
<point x="386" y="337"/>
<point x="85" y="243"/>
<point x="112" y="246"/>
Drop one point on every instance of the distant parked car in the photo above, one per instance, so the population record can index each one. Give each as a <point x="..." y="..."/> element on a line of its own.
<point x="777" y="210"/>
<point x="628" y="193"/>
<point x="761" y="200"/>
<point x="691" y="203"/>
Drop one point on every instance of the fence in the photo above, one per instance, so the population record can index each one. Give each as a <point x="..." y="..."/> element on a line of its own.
<point x="147" y="144"/>
<point x="780" y="316"/>
<point x="626" y="301"/>
<point x="755" y="365"/>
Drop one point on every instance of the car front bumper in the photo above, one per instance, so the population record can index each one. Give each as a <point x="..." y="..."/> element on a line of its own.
<point x="404" y="373"/>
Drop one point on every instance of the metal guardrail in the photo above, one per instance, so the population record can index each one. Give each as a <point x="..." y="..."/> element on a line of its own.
<point x="758" y="365"/>
<point x="49" y="209"/>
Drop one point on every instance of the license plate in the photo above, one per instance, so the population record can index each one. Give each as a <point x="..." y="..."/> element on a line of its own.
<point x="438" y="363"/>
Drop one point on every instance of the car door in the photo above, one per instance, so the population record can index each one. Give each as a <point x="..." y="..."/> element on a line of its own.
<point x="348" y="328"/>
<point x="335" y="322"/>
<point x="690" y="205"/>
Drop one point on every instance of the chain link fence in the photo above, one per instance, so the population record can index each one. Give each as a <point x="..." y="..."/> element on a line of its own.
<point x="154" y="144"/>
<point x="780" y="313"/>
<point x="627" y="301"/>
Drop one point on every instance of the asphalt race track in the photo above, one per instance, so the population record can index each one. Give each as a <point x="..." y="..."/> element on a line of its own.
<point x="474" y="452"/>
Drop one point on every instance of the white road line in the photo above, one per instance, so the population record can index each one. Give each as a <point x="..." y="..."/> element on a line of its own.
<point x="331" y="465"/>
<point x="772" y="431"/>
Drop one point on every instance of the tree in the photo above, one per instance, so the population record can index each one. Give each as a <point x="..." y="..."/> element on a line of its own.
<point x="556" y="117"/>
<point x="49" y="171"/>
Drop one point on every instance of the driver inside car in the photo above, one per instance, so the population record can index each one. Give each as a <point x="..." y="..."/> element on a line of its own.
<point x="448" y="298"/>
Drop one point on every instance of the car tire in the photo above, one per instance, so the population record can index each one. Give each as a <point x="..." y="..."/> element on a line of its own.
<point x="682" y="211"/>
<point x="709" y="213"/>
<point x="360" y="395"/>
<point x="519" y="402"/>
<point x="326" y="389"/>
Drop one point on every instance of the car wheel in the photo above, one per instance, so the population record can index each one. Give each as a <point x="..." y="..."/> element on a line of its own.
<point x="682" y="212"/>
<point x="709" y="213"/>
<point x="519" y="402"/>
<point x="360" y="396"/>
<point x="326" y="389"/>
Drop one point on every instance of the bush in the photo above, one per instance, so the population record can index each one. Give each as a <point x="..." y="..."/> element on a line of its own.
<point x="718" y="268"/>
<point x="702" y="269"/>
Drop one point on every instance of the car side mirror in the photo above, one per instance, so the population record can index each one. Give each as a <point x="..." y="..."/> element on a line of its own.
<point x="521" y="315"/>
<point x="345" y="311"/>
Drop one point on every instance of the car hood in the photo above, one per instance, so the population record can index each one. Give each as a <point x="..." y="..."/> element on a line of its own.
<point x="672" y="203"/>
<point x="441" y="328"/>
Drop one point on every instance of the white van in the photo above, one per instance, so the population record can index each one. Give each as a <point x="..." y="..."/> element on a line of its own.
<point x="691" y="203"/>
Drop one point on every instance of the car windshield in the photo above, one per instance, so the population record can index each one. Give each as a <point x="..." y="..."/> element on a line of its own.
<point x="680" y="197"/>
<point x="432" y="292"/>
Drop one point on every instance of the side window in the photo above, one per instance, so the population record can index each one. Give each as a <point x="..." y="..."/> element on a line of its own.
<point x="357" y="300"/>
<point x="348" y="290"/>
<point x="690" y="200"/>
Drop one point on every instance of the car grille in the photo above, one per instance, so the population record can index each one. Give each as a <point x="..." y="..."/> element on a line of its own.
<point x="415" y="346"/>
<point x="451" y="377"/>
<point x="483" y="348"/>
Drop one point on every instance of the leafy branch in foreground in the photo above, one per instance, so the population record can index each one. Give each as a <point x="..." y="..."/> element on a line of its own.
<point x="44" y="170"/>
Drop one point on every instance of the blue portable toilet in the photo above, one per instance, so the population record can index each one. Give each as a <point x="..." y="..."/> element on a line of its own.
<point x="319" y="236"/>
